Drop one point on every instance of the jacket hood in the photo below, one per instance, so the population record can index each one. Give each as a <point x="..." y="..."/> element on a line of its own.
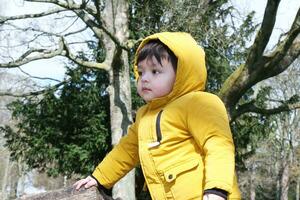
<point x="191" y="71"/>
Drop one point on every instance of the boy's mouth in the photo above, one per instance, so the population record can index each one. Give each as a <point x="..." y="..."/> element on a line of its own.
<point x="144" y="89"/>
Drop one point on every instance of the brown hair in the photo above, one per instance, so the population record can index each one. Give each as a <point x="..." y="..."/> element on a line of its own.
<point x="159" y="50"/>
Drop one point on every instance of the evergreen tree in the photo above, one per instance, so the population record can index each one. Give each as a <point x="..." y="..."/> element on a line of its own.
<point x="66" y="130"/>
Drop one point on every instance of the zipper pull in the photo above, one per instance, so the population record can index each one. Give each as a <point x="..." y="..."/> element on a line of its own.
<point x="153" y="144"/>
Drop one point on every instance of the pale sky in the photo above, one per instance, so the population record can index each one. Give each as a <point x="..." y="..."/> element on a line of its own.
<point x="285" y="15"/>
<point x="54" y="69"/>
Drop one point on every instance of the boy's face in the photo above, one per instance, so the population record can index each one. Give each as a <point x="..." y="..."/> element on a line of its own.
<point x="155" y="79"/>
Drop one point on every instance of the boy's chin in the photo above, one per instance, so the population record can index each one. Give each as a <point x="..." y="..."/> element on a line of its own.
<point x="147" y="100"/>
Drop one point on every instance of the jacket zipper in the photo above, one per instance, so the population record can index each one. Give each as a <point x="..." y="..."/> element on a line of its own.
<point x="158" y="131"/>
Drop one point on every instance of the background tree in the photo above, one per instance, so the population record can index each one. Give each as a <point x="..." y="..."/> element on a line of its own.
<point x="9" y="170"/>
<point x="106" y="24"/>
<point x="233" y="67"/>
<point x="286" y="87"/>
<point x="64" y="126"/>
<point x="273" y="171"/>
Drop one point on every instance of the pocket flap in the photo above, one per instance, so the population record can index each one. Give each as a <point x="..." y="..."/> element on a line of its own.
<point x="172" y="173"/>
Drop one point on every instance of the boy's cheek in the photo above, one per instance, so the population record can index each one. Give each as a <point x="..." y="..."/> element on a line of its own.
<point x="138" y="89"/>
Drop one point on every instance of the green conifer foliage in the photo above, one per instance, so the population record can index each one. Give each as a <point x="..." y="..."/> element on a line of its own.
<point x="65" y="131"/>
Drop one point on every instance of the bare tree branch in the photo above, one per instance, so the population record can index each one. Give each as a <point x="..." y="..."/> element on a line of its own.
<point x="70" y="5"/>
<point x="35" y="77"/>
<point x="63" y="50"/>
<point x="292" y="54"/>
<point x="26" y="16"/>
<point x="288" y="49"/>
<point x="32" y="29"/>
<point x="251" y="107"/>
<point x="41" y="54"/>
<point x="261" y="68"/>
<point x="75" y="32"/>
<point x="34" y="93"/>
<point x="98" y="15"/>
<point x="80" y="12"/>
<point x="283" y="56"/>
<point x="69" y="26"/>
<point x="79" y="61"/>
<point x="90" y="22"/>
<point x="44" y="33"/>
<point x="25" y="42"/>
<point x="97" y="28"/>
<point x="81" y="42"/>
<point x="263" y="35"/>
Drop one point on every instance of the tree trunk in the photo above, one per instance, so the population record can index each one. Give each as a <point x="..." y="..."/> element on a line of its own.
<point x="284" y="183"/>
<point x="252" y="183"/>
<point x="13" y="180"/>
<point x="278" y="188"/>
<point x="116" y="19"/>
<point x="298" y="189"/>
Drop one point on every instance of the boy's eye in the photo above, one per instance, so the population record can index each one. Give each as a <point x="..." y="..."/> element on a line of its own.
<point x="140" y="73"/>
<point x="155" y="71"/>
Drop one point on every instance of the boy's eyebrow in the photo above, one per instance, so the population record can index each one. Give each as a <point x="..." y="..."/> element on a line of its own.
<point x="152" y="64"/>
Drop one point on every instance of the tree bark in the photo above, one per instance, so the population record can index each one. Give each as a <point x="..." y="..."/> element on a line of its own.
<point x="252" y="182"/>
<point x="298" y="189"/>
<point x="284" y="183"/>
<point x="13" y="180"/>
<point x="115" y="17"/>
<point x="258" y="66"/>
<point x="278" y="188"/>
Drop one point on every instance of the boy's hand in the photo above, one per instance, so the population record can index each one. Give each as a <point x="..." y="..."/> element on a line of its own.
<point x="86" y="182"/>
<point x="212" y="197"/>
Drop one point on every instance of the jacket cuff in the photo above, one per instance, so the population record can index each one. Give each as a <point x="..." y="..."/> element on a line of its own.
<point x="101" y="187"/>
<point x="217" y="191"/>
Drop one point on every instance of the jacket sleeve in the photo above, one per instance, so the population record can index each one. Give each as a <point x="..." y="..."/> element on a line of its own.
<point x="122" y="158"/>
<point x="209" y="125"/>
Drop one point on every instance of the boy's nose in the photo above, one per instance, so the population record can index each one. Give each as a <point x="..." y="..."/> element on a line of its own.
<point x="145" y="77"/>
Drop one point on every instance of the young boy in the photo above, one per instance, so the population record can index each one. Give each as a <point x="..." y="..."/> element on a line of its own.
<point x="181" y="137"/>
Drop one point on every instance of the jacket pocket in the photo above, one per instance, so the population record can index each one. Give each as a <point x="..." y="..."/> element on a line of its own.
<point x="172" y="173"/>
<point x="184" y="181"/>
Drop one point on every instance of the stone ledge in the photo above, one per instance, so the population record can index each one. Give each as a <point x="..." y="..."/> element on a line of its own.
<point x="69" y="194"/>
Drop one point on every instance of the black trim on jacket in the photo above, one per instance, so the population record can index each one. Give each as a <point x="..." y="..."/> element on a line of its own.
<point x="101" y="187"/>
<point x="217" y="191"/>
<point x="158" y="131"/>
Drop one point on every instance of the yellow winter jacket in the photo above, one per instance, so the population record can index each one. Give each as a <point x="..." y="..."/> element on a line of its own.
<point x="183" y="140"/>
